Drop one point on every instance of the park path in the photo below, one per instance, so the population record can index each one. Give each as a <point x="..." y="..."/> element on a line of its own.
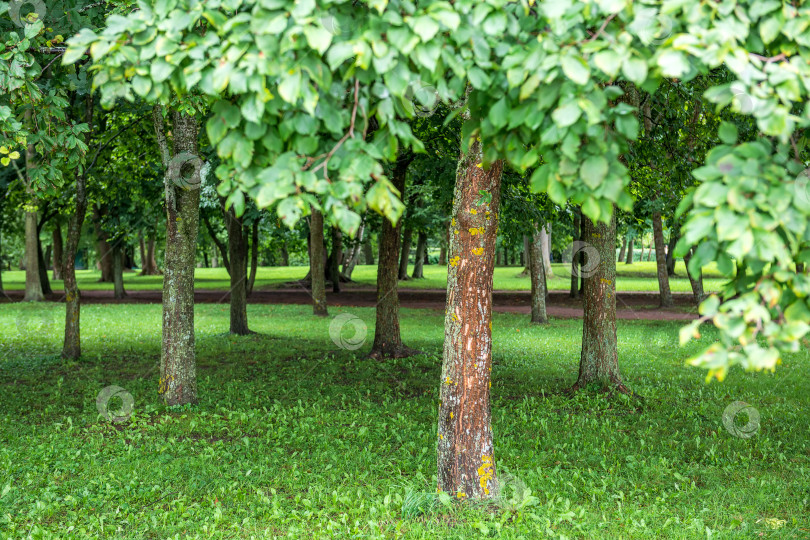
<point x="629" y="305"/>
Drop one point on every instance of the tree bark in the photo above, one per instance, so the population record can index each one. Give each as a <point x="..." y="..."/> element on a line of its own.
<point x="285" y="256"/>
<point x="577" y="234"/>
<point x="178" y="367"/>
<point x="405" y="253"/>
<point x="368" y="251"/>
<point x="334" y="259"/>
<point x="71" y="347"/>
<point x="118" y="270"/>
<point x="316" y="264"/>
<point x="105" y="262"/>
<point x="623" y="250"/>
<point x="387" y="339"/>
<point x="223" y="249"/>
<point x="665" y="295"/>
<point x="354" y="253"/>
<point x="419" y="260"/>
<point x="599" y="361"/>
<point x="525" y="257"/>
<point x="545" y="238"/>
<point x="42" y="263"/>
<point x="630" y="252"/>
<point x="58" y="249"/>
<point x="237" y="255"/>
<point x="466" y="465"/>
<point x="254" y="256"/>
<point x="538" y="274"/>
<point x="149" y="265"/>
<point x="695" y="281"/>
<point x="673" y="241"/>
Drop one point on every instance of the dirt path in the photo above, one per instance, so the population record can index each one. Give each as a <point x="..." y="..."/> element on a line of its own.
<point x="630" y="305"/>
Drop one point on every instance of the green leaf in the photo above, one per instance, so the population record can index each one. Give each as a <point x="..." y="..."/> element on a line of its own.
<point x="576" y="69"/>
<point x="566" y="115"/>
<point x="727" y="133"/>
<point x="318" y="37"/>
<point x="608" y="61"/>
<point x="593" y="171"/>
<point x="635" y="69"/>
<point x="290" y="87"/>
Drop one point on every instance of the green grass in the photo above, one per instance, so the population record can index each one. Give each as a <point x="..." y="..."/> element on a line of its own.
<point x="639" y="276"/>
<point x="294" y="436"/>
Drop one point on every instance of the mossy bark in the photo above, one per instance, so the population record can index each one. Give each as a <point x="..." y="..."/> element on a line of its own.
<point x="178" y="368"/>
<point x="466" y="466"/>
<point x="316" y="264"/>
<point x="599" y="360"/>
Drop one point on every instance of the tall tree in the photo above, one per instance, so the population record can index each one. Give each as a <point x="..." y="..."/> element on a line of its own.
<point x="317" y="264"/>
<point x="538" y="276"/>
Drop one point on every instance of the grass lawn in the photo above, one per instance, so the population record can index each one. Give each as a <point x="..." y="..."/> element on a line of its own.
<point x="639" y="276"/>
<point x="294" y="436"/>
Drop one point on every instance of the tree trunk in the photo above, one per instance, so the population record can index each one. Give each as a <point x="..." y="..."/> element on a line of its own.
<point x="466" y="465"/>
<point x="661" y="262"/>
<point x="498" y="257"/>
<point x="334" y="259"/>
<point x="254" y="256"/>
<point x="118" y="270"/>
<point x="673" y="241"/>
<point x="316" y="264"/>
<point x="105" y="263"/>
<point x="42" y="260"/>
<point x="354" y="254"/>
<point x="285" y="255"/>
<point x="421" y="252"/>
<point x="368" y="251"/>
<point x="545" y="238"/>
<point x="525" y="256"/>
<point x="71" y="347"/>
<point x="695" y="281"/>
<point x="387" y="339"/>
<point x="538" y="274"/>
<point x="57" y="252"/>
<point x="577" y="234"/>
<point x="178" y="367"/>
<point x="237" y="255"/>
<point x="623" y="250"/>
<point x="599" y="362"/>
<point x="149" y="265"/>
<point x="630" y="252"/>
<point x="223" y="249"/>
<point x="405" y="254"/>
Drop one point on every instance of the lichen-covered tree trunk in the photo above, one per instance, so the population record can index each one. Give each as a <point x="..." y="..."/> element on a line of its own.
<point x="178" y="367"/>
<point x="57" y="251"/>
<point x="317" y="263"/>
<point x="405" y="253"/>
<point x="577" y="236"/>
<point x="695" y="281"/>
<point x="665" y="295"/>
<point x="419" y="260"/>
<point x="237" y="255"/>
<point x="466" y="464"/>
<point x="538" y="276"/>
<point x="387" y="339"/>
<point x="118" y="271"/>
<point x="599" y="361"/>
<point x="630" y="248"/>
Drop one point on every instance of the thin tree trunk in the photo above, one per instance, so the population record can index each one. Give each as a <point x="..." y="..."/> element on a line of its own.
<point x="317" y="263"/>
<point x="421" y="251"/>
<point x="105" y="263"/>
<point x="405" y="253"/>
<point x="223" y="249"/>
<point x="334" y="259"/>
<point x="237" y="255"/>
<point x="354" y="254"/>
<point x="387" y="339"/>
<point x="661" y="262"/>
<point x="118" y="271"/>
<point x="525" y="257"/>
<point x="577" y="233"/>
<point x="71" y="347"/>
<point x="545" y="237"/>
<point x="630" y="252"/>
<point x="42" y="263"/>
<point x="178" y="366"/>
<point x="673" y="241"/>
<point x="149" y="265"/>
<point x="142" y="249"/>
<point x="57" y="252"/>
<point x="465" y="461"/>
<point x="695" y="281"/>
<point x="623" y="250"/>
<point x="254" y="256"/>
<point x="538" y="274"/>
<point x="599" y="362"/>
<point x="368" y="251"/>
